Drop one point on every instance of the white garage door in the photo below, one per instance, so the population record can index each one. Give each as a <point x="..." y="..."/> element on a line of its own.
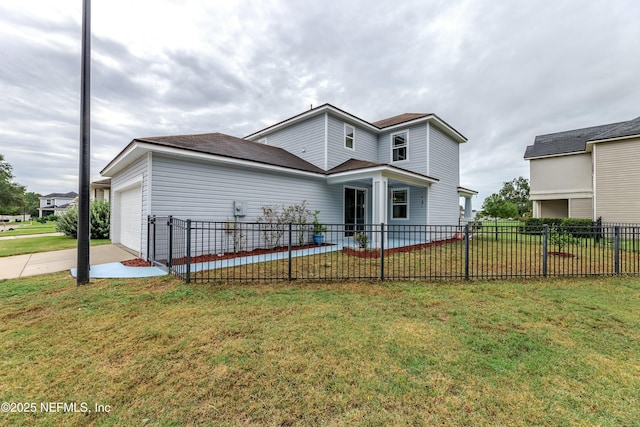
<point x="130" y="218"/>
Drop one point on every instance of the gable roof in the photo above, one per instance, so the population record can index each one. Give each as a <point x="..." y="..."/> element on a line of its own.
<point x="630" y="128"/>
<point x="396" y="120"/>
<point x="575" y="141"/>
<point x="229" y="146"/>
<point x="353" y="165"/>
<point x="69" y="195"/>
<point x="376" y="127"/>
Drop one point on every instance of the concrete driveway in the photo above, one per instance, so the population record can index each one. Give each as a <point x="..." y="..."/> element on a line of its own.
<point x="16" y="266"/>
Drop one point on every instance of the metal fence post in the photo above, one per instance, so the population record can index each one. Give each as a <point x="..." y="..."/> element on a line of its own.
<point x="170" y="255"/>
<point x="289" y="249"/>
<point x="466" y="252"/>
<point x="616" y="249"/>
<point x="188" y="251"/>
<point x="545" y="248"/>
<point x="149" y="236"/>
<point x="382" y="251"/>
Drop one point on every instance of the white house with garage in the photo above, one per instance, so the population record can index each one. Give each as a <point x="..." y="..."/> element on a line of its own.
<point x="401" y="170"/>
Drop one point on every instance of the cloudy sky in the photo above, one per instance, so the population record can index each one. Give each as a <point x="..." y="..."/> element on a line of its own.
<point x="501" y="72"/>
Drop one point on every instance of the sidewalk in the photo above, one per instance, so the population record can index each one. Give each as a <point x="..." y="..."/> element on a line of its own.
<point x="50" y="262"/>
<point x="27" y="236"/>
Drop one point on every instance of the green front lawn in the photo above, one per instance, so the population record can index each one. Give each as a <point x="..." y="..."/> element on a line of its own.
<point x="25" y="228"/>
<point x="159" y="352"/>
<point x="33" y="245"/>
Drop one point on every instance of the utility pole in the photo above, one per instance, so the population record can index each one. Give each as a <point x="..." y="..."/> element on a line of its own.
<point x="84" y="152"/>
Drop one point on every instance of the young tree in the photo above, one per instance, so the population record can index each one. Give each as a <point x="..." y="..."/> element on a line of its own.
<point x="495" y="206"/>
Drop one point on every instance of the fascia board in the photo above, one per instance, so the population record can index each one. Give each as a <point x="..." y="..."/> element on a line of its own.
<point x="386" y="171"/>
<point x="556" y="155"/>
<point x="590" y="144"/>
<point x="138" y="148"/>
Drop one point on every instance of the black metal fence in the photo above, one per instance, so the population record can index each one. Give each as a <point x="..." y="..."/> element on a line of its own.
<point x="237" y="251"/>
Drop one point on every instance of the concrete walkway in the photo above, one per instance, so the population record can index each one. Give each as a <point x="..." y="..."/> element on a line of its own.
<point x="16" y="266"/>
<point x="28" y="236"/>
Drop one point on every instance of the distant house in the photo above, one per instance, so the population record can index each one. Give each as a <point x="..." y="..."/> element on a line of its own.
<point x="587" y="173"/>
<point x="55" y="203"/>
<point x="401" y="170"/>
<point x="101" y="190"/>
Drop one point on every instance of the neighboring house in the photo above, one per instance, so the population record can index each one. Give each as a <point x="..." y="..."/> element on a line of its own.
<point x="101" y="190"/>
<point x="587" y="173"/>
<point x="401" y="170"/>
<point x="56" y="203"/>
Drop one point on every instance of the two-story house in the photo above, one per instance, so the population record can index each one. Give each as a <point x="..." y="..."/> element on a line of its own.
<point x="587" y="173"/>
<point x="401" y="170"/>
<point x="56" y="203"/>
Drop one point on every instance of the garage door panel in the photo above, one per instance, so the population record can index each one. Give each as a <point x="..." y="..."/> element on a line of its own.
<point x="130" y="218"/>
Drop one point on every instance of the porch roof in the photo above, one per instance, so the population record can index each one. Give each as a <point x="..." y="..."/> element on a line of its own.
<point x="354" y="169"/>
<point x="466" y="192"/>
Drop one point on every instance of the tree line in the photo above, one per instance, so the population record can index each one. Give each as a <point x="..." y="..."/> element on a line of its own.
<point x="512" y="201"/>
<point x="14" y="197"/>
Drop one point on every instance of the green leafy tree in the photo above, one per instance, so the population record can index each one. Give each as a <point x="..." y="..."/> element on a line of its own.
<point x="11" y="193"/>
<point x="31" y="203"/>
<point x="67" y="222"/>
<point x="516" y="191"/>
<point x="495" y="206"/>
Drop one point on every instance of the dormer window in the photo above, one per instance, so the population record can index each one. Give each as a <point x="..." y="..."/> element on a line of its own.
<point x="349" y="136"/>
<point x="399" y="145"/>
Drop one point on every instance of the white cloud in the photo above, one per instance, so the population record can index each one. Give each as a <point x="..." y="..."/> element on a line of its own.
<point x="499" y="72"/>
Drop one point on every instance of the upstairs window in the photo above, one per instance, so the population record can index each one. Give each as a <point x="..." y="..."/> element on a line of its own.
<point x="400" y="204"/>
<point x="49" y="202"/>
<point x="349" y="136"/>
<point x="399" y="144"/>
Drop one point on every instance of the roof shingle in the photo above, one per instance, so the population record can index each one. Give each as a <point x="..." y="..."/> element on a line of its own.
<point x="575" y="141"/>
<point x="229" y="146"/>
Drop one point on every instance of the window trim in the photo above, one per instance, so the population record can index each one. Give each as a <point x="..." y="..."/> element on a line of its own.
<point x="353" y="137"/>
<point x="406" y="145"/>
<point x="406" y="203"/>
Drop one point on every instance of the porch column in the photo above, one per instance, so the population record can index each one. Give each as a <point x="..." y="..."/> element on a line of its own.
<point x="379" y="212"/>
<point x="467" y="208"/>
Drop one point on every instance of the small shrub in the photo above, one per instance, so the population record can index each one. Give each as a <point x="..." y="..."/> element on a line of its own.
<point x="99" y="214"/>
<point x="361" y="239"/>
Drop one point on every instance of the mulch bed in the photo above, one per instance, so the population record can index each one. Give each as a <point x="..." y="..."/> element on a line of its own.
<point x="375" y="253"/>
<point x="136" y="262"/>
<point x="562" y="254"/>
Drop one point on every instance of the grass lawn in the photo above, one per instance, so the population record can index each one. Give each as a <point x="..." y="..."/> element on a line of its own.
<point x="41" y="244"/>
<point x="24" y="228"/>
<point x="159" y="352"/>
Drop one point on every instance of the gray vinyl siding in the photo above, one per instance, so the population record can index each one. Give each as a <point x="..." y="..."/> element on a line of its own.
<point x="416" y="149"/>
<point x="417" y="206"/>
<point x="304" y="139"/>
<point x="206" y="191"/>
<point x="139" y="168"/>
<point x="444" y="200"/>
<point x="617" y="181"/>
<point x="365" y="143"/>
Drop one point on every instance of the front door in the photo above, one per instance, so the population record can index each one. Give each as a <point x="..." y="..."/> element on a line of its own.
<point x="354" y="210"/>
